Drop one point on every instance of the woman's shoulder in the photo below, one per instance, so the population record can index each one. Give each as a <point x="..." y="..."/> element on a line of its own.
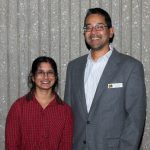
<point x="65" y="104"/>
<point x="19" y="102"/>
<point x="16" y="107"/>
<point x="67" y="108"/>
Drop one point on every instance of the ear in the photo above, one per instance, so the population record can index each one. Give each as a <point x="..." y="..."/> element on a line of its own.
<point x="83" y="33"/>
<point x="111" y="32"/>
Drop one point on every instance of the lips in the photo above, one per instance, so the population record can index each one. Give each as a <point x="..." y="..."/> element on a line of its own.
<point x="45" y="82"/>
<point x="95" y="38"/>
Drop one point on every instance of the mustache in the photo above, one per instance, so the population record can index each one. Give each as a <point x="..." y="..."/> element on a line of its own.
<point x="95" y="36"/>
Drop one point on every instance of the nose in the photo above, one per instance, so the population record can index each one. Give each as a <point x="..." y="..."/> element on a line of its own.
<point x="45" y="75"/>
<point x="93" y="30"/>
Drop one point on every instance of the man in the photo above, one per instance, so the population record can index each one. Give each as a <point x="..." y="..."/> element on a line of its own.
<point x="106" y="91"/>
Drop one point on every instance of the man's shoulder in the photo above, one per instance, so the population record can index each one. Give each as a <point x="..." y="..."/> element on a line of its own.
<point x="127" y="58"/>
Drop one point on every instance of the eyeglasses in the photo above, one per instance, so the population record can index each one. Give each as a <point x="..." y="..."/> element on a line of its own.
<point x="41" y="73"/>
<point x="98" y="27"/>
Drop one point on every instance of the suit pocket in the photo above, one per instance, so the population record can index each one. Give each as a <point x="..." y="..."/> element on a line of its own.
<point x="112" y="142"/>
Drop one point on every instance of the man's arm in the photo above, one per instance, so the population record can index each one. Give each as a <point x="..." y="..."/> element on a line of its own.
<point x="135" y="104"/>
<point x="67" y="95"/>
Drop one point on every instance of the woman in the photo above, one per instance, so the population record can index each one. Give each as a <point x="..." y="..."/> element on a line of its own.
<point x="40" y="120"/>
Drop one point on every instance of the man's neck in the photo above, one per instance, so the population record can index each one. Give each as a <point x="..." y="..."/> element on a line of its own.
<point x="96" y="54"/>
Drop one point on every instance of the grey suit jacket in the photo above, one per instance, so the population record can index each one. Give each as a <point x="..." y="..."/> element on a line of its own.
<point x="117" y="115"/>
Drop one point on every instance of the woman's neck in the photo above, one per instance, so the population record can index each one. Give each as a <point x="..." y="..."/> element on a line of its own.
<point x="44" y="97"/>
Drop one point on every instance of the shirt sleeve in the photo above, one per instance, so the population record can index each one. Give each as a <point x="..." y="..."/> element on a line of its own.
<point x="12" y="129"/>
<point x="66" y="140"/>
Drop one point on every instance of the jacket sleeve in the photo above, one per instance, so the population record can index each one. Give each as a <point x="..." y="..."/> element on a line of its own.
<point x="12" y="129"/>
<point x="135" y="105"/>
<point x="67" y="95"/>
<point x="67" y="136"/>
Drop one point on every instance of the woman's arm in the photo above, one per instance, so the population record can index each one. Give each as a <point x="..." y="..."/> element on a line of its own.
<point x="12" y="129"/>
<point x="66" y="140"/>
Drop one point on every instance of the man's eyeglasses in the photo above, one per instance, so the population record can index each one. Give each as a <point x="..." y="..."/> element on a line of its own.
<point x="48" y="73"/>
<point x="98" y="27"/>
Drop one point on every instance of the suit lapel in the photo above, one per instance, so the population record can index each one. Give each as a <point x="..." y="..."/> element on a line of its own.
<point x="108" y="73"/>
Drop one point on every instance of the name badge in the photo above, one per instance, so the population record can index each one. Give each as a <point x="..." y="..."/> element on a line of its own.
<point x="115" y="85"/>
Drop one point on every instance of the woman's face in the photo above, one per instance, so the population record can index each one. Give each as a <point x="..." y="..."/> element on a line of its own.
<point x="45" y="77"/>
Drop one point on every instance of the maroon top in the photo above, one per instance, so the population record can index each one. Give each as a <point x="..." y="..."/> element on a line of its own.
<point x="30" y="127"/>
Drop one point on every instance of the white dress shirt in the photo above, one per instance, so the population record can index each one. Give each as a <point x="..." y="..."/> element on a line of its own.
<point x="93" y="72"/>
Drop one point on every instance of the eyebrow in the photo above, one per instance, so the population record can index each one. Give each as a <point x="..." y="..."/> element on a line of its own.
<point x="43" y="70"/>
<point x="96" y="24"/>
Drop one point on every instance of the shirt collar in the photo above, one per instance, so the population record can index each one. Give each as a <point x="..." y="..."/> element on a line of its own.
<point x="52" y="103"/>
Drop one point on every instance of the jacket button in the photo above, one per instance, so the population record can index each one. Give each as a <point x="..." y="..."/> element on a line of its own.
<point x="84" y="142"/>
<point x="88" y="122"/>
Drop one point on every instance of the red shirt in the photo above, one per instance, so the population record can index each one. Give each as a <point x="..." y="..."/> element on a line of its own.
<point x="30" y="127"/>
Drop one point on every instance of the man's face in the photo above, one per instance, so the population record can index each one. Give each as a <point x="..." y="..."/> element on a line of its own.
<point x="97" y="34"/>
